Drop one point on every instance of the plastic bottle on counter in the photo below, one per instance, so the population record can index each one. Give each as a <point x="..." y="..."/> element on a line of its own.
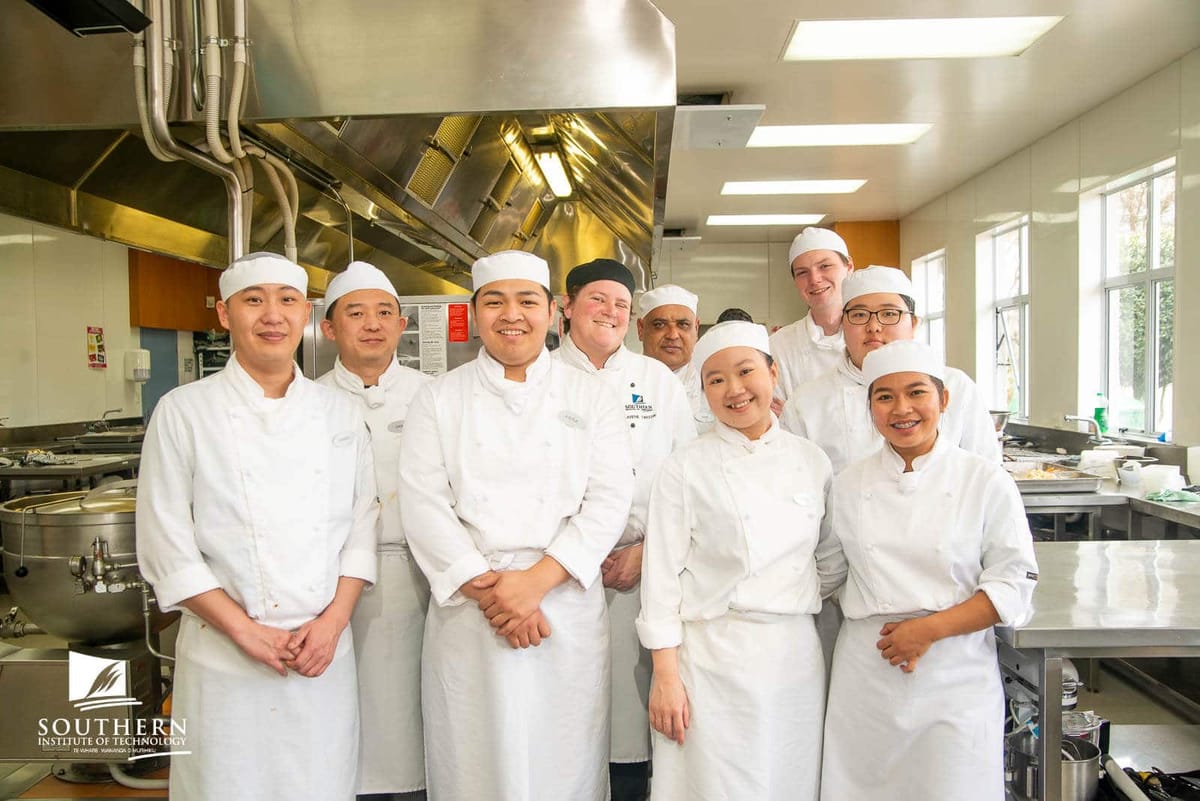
<point x="1100" y="413"/>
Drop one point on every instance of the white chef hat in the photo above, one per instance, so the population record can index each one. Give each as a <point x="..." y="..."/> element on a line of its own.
<point x="730" y="334"/>
<point x="358" y="275"/>
<point x="255" y="269"/>
<point x="667" y="295"/>
<point x="874" y="279"/>
<point x="814" y="238"/>
<point x="510" y="264"/>
<point x="902" y="356"/>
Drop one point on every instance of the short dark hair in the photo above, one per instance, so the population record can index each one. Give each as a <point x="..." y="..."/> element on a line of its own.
<point x="734" y="313"/>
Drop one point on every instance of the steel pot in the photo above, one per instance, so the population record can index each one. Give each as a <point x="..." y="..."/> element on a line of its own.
<point x="1080" y="767"/>
<point x="47" y="537"/>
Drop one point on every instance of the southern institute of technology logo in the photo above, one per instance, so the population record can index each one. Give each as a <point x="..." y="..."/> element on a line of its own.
<point x="96" y="683"/>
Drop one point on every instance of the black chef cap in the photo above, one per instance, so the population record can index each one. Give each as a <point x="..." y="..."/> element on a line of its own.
<point x="599" y="270"/>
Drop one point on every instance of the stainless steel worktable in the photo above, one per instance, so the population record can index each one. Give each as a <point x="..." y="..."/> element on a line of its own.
<point x="1063" y="503"/>
<point x="77" y="467"/>
<point x="1094" y="599"/>
<point x="1179" y="514"/>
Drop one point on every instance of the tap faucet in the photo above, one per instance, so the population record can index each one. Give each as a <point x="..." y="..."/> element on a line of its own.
<point x="1096" y="437"/>
<point x="102" y="423"/>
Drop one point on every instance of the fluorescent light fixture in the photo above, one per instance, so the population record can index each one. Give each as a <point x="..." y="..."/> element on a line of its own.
<point x="764" y="219"/>
<point x="554" y="172"/>
<point x="843" y="187"/>
<point x="971" y="37"/>
<point x="837" y="135"/>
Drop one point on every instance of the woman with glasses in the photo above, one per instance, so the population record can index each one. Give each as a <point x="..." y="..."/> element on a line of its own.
<point x="878" y="308"/>
<point x="938" y="551"/>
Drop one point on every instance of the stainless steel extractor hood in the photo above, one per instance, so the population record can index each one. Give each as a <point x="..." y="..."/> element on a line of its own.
<point x="419" y="120"/>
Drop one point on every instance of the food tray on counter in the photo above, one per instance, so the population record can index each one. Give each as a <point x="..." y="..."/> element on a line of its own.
<point x="1038" y="476"/>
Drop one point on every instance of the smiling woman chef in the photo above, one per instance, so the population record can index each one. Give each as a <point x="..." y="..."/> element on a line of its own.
<point x="257" y="515"/>
<point x="517" y="481"/>
<point x="733" y="573"/>
<point x="938" y="551"/>
<point x="599" y="298"/>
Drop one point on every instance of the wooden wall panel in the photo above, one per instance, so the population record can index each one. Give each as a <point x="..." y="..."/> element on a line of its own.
<point x="876" y="242"/>
<point x="169" y="293"/>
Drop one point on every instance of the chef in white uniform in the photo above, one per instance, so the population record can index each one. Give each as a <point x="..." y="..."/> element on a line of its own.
<point x="819" y="261"/>
<point x="734" y="569"/>
<point x="668" y="327"/>
<point x="833" y="411"/>
<point x="517" y="479"/>
<point x="257" y="517"/>
<point x="938" y="552"/>
<point x="599" y="300"/>
<point x="362" y="317"/>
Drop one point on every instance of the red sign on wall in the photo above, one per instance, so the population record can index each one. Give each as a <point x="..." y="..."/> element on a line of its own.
<point x="459" y="330"/>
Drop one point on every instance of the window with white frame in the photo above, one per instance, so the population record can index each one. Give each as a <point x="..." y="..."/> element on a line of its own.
<point x="1009" y="244"/>
<point x="929" y="285"/>
<point x="1138" y="230"/>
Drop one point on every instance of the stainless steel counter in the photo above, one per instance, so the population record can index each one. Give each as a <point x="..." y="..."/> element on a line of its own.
<point x="76" y="469"/>
<point x="1183" y="514"/>
<point x="1111" y="595"/>
<point x="1119" y="598"/>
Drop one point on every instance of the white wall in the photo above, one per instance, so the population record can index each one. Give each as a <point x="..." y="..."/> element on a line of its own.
<point x="53" y="284"/>
<point x="751" y="276"/>
<point x="1156" y="119"/>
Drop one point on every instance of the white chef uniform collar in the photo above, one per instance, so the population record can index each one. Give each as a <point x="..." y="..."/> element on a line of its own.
<point x="510" y="264"/>
<point x="876" y="279"/>
<point x="374" y="396"/>
<point x="730" y="334"/>
<point x="902" y="356"/>
<point x="814" y="238"/>
<point x="358" y="275"/>
<point x="255" y="269"/>
<point x="667" y="295"/>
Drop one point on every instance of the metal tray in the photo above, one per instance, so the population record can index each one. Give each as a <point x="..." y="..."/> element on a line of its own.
<point x="1063" y="479"/>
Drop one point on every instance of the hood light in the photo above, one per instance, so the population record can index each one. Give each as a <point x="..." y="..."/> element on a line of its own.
<point x="554" y="172"/>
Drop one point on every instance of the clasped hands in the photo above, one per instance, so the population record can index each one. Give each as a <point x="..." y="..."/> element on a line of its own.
<point x="511" y="601"/>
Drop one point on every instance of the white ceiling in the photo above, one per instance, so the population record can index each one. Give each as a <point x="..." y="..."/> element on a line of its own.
<point x="982" y="110"/>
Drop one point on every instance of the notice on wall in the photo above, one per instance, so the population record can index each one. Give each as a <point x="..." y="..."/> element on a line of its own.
<point x="459" y="328"/>
<point x="433" y="338"/>
<point x="96" y="354"/>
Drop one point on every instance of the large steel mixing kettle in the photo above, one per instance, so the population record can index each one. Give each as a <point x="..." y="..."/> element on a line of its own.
<point x="70" y="560"/>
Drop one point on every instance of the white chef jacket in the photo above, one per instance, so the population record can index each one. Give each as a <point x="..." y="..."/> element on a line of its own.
<point x="803" y="352"/>
<point x="833" y="411"/>
<point x="702" y="416"/>
<point x="496" y="475"/>
<point x="657" y="411"/>
<point x="270" y="500"/>
<point x="660" y="419"/>
<point x="917" y="543"/>
<point x="734" y="525"/>
<point x="384" y="407"/>
<point x="927" y="540"/>
<point x="388" y="621"/>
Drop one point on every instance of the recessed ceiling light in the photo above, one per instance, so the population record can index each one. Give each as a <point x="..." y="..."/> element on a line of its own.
<point x="764" y="219"/>
<point x="554" y="172"/>
<point x="841" y="187"/>
<point x="975" y="37"/>
<point x="837" y="135"/>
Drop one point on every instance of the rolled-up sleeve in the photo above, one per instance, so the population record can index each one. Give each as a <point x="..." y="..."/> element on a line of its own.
<point x="168" y="556"/>
<point x="440" y="543"/>
<point x="668" y="540"/>
<point x="1010" y="568"/>
<point x="588" y="537"/>
<point x="358" y="555"/>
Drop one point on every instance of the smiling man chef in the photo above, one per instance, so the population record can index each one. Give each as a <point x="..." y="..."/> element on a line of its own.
<point x="819" y="261"/>
<point x="362" y="317"/>
<point x="517" y="480"/>
<point x="668" y="329"/>
<point x="257" y="516"/>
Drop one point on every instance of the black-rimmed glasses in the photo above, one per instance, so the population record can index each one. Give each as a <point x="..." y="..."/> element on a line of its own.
<point x="884" y="316"/>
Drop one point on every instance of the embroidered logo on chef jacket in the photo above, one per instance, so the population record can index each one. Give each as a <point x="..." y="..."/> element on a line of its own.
<point x="570" y="419"/>
<point x="342" y="439"/>
<point x="639" y="408"/>
<point x="396" y="426"/>
<point x="637" y="398"/>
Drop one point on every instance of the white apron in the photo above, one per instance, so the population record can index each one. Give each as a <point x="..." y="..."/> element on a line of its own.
<point x="304" y="731"/>
<point x="935" y="733"/>
<point x="756" y="692"/>
<point x="389" y="619"/>
<point x="518" y="724"/>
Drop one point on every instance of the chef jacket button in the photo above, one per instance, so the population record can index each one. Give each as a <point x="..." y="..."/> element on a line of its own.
<point x="632" y="384"/>
<point x="633" y="425"/>
<point x="886" y="607"/>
